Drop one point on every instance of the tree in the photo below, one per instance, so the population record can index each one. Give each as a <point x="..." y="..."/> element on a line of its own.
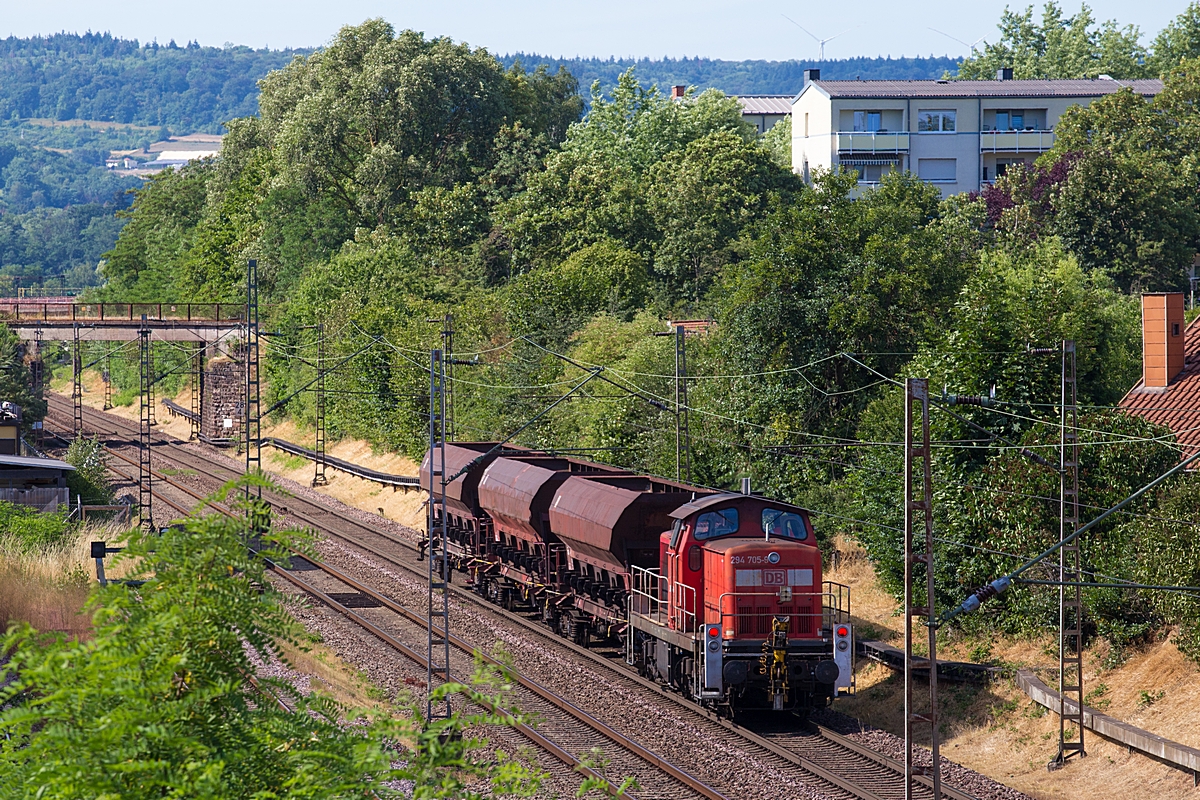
<point x="1058" y="48"/>
<point x="15" y="381"/>
<point x="160" y="702"/>
<point x="89" y="481"/>
<point x="377" y="116"/>
<point x="1177" y="42"/>
<point x="702" y="197"/>
<point x="143" y="264"/>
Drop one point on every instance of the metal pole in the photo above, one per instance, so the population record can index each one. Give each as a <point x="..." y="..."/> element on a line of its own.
<point x="77" y="382"/>
<point x="918" y="467"/>
<point x="197" y="391"/>
<point x="253" y="421"/>
<point x="438" y="646"/>
<point x="1070" y="598"/>
<point x="683" y="440"/>
<point x="150" y="368"/>
<point x="319" y="478"/>
<point x="448" y="367"/>
<point x="145" y="493"/>
<point x="106" y="377"/>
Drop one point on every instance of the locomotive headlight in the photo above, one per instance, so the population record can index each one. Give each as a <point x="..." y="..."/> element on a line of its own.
<point x="773" y="558"/>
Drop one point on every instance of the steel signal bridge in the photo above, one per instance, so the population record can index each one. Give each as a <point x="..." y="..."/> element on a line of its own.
<point x="57" y="319"/>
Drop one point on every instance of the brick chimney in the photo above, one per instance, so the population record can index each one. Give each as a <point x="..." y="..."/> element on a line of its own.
<point x="678" y="92"/>
<point x="1162" y="338"/>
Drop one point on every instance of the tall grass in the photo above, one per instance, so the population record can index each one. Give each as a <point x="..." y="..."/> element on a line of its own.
<point x="46" y="583"/>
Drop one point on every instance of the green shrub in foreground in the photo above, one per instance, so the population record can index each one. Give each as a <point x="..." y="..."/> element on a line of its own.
<point x="158" y="703"/>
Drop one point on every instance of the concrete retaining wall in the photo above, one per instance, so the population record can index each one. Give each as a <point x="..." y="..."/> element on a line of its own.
<point x="1174" y="753"/>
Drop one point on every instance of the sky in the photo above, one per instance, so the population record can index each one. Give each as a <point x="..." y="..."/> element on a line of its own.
<point x="733" y="29"/>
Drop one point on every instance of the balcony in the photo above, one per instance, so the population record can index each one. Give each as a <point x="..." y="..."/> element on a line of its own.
<point x="872" y="141"/>
<point x="1015" y="141"/>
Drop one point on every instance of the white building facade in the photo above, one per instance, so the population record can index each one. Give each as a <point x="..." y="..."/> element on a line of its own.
<point x="957" y="135"/>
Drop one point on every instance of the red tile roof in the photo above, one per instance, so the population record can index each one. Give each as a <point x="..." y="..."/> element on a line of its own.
<point x="1178" y="405"/>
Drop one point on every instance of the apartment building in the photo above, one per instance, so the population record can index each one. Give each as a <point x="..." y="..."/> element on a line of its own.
<point x="958" y="135"/>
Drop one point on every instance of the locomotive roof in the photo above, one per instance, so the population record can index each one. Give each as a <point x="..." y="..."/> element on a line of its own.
<point x="701" y="503"/>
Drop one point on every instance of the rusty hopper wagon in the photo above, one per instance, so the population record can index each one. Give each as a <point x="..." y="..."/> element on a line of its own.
<point x="717" y="594"/>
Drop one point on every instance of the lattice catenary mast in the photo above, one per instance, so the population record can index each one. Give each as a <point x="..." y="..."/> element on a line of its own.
<point x="918" y="549"/>
<point x="438" y="649"/>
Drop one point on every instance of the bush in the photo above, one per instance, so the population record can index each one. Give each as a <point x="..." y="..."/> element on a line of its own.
<point x="159" y="703"/>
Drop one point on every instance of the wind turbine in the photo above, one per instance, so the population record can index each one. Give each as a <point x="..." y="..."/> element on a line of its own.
<point x="820" y="42"/>
<point x="971" y="46"/>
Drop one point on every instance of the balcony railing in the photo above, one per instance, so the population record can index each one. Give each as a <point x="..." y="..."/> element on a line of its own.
<point x="1015" y="141"/>
<point x="872" y="141"/>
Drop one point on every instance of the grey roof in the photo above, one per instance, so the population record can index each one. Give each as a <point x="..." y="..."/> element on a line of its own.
<point x="765" y="103"/>
<point x="41" y="463"/>
<point x="1092" y="87"/>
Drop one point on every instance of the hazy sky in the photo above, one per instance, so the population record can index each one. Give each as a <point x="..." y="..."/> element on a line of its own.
<point x="729" y="29"/>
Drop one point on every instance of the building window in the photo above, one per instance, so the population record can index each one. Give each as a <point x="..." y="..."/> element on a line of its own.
<point x="806" y="124"/>
<point x="937" y="170"/>
<point x="1010" y="120"/>
<point x="937" y="121"/>
<point x="867" y="121"/>
<point x="871" y="173"/>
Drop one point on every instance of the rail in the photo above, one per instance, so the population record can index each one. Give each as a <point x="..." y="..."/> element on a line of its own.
<point x="595" y="724"/>
<point x="15" y="309"/>
<point x="405" y="482"/>
<point x="854" y="787"/>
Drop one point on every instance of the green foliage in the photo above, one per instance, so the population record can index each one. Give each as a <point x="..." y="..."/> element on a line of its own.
<point x="90" y="478"/>
<point x="29" y="530"/>
<point x="158" y="702"/>
<point x="1058" y="47"/>
<point x="144" y="263"/>
<point x="16" y="382"/>
<point x="740" y="77"/>
<point x="56" y="246"/>
<point x="1177" y="42"/>
<point x="778" y="141"/>
<point x="95" y="76"/>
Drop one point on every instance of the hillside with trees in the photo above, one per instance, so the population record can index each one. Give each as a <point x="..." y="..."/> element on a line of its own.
<point x="391" y="179"/>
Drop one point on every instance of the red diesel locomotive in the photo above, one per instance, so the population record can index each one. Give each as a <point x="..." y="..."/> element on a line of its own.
<point x="717" y="594"/>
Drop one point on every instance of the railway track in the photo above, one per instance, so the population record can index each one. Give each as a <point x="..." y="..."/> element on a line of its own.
<point x="563" y="730"/>
<point x="828" y="762"/>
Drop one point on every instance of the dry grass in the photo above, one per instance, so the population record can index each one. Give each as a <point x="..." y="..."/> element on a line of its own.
<point x="48" y="586"/>
<point x="999" y="732"/>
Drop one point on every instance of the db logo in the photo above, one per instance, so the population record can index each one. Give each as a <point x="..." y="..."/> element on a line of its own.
<point x="774" y="577"/>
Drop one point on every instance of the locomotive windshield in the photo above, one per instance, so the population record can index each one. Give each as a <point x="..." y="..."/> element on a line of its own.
<point x="776" y="522"/>
<point x="712" y="524"/>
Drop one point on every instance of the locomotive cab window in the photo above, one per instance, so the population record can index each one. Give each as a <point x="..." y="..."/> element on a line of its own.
<point x="776" y="522"/>
<point x="712" y="524"/>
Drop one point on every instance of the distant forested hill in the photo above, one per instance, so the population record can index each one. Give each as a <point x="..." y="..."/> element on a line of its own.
<point x="739" y="77"/>
<point x="96" y="76"/>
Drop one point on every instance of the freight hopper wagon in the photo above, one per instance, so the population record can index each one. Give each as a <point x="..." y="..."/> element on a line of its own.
<point x="600" y="552"/>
